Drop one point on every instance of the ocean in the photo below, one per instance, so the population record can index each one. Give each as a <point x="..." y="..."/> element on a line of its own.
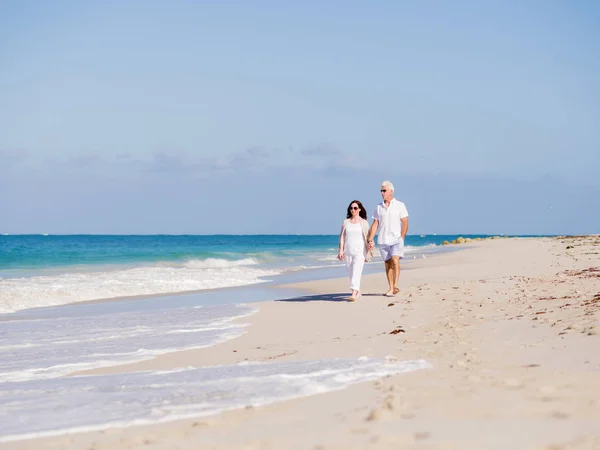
<point x="49" y="329"/>
<point x="40" y="271"/>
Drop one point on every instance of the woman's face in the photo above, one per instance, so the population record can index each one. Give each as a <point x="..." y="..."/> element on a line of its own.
<point x="354" y="210"/>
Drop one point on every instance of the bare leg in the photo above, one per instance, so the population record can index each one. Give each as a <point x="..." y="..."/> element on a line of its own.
<point x="390" y="272"/>
<point x="396" y="260"/>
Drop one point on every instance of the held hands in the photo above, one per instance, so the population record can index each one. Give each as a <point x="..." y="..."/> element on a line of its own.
<point x="371" y="244"/>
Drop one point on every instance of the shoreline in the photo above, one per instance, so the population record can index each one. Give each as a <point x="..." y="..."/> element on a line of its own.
<point x="510" y="327"/>
<point x="275" y="283"/>
<point x="307" y="291"/>
<point x="302" y="291"/>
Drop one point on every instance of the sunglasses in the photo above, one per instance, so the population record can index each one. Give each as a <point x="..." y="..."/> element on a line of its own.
<point x="384" y="190"/>
<point x="354" y="208"/>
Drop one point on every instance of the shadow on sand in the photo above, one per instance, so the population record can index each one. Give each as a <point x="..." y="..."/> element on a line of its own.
<point x="342" y="297"/>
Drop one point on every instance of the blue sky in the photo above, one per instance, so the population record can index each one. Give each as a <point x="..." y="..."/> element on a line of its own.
<point x="269" y="117"/>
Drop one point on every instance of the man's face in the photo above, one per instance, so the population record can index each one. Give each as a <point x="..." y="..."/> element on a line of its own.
<point x="386" y="194"/>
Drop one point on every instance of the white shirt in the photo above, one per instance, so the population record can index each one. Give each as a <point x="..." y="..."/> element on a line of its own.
<point x="390" y="225"/>
<point x="355" y="242"/>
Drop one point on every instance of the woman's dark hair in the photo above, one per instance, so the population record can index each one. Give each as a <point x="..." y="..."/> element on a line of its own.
<point x="362" y="213"/>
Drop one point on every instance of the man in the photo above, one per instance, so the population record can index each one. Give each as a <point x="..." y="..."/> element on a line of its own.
<point x="391" y="219"/>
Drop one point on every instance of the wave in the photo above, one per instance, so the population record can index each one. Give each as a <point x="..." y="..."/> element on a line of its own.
<point x="65" y="288"/>
<point x="216" y="263"/>
<point x="328" y="258"/>
<point x="153" y="397"/>
<point x="55" y="346"/>
<point x="419" y="248"/>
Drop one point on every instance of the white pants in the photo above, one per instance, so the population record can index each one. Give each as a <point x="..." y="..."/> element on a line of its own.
<point x="354" y="265"/>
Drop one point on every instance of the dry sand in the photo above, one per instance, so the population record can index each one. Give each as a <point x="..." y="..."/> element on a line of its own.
<point x="511" y="327"/>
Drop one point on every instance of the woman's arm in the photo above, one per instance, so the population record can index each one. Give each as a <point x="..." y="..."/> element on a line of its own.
<point x="341" y="243"/>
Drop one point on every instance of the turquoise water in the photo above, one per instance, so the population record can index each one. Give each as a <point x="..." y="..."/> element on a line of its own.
<point x="39" y="252"/>
<point x="41" y="270"/>
<point x="36" y="251"/>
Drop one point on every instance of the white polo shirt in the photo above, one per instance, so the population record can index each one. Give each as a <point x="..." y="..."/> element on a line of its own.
<point x="390" y="225"/>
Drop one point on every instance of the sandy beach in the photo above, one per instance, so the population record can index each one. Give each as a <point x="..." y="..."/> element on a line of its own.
<point x="511" y="328"/>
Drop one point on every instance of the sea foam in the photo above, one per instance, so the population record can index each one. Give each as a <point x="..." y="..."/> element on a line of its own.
<point x="47" y="407"/>
<point x="60" y="289"/>
<point x="50" y="347"/>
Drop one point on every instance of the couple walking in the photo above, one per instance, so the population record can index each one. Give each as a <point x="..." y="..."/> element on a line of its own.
<point x="356" y="239"/>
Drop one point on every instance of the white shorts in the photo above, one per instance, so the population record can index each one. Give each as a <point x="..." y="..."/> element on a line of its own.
<point x="387" y="251"/>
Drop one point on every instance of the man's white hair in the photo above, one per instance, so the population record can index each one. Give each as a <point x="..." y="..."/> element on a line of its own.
<point x="388" y="185"/>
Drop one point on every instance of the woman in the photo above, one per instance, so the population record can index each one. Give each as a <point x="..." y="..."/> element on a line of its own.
<point x="353" y="246"/>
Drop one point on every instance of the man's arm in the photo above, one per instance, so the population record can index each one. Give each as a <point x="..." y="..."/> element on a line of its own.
<point x="404" y="226"/>
<point x="371" y="234"/>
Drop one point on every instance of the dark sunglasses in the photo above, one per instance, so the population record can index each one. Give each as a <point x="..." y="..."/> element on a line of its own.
<point x="354" y="207"/>
<point x="384" y="190"/>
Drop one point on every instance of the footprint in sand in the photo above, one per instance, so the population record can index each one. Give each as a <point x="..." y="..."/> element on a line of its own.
<point x="374" y="414"/>
<point x="421" y="435"/>
<point x="388" y="403"/>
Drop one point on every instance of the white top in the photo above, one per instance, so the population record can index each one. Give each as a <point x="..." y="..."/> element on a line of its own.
<point x="390" y="225"/>
<point x="355" y="242"/>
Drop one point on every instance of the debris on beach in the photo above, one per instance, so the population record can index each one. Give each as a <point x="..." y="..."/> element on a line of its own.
<point x="462" y="240"/>
<point x="590" y="272"/>
<point x="592" y="304"/>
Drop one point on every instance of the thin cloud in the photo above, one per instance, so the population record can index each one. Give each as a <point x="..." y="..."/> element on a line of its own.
<point x="177" y="162"/>
<point x="169" y="163"/>
<point x="91" y="162"/>
<point x="85" y="161"/>
<point x="173" y="161"/>
<point x="323" y="150"/>
<point x="344" y="163"/>
<point x="250" y="158"/>
<point x="327" y="157"/>
<point x="12" y="157"/>
<point x="258" y="152"/>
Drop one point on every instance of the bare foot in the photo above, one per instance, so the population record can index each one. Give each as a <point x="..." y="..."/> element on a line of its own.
<point x="389" y="294"/>
<point x="351" y="299"/>
<point x="396" y="290"/>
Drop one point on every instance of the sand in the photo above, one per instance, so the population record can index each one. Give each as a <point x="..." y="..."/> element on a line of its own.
<point x="511" y="327"/>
